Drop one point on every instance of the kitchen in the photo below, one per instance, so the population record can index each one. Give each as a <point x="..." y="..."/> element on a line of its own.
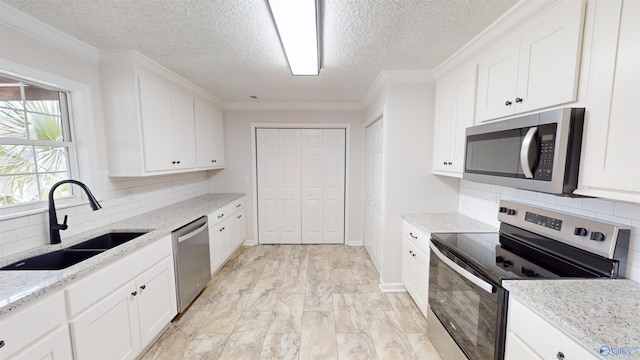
<point x="408" y="102"/>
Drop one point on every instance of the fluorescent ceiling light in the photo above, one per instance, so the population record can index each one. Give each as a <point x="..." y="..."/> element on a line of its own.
<point x="297" y="24"/>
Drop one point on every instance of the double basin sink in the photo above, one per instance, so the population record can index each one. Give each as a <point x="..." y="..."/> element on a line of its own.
<point x="61" y="259"/>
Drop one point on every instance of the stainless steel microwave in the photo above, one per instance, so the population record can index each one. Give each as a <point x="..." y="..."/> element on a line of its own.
<point x="538" y="152"/>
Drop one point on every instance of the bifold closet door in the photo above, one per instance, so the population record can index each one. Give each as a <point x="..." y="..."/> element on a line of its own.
<point x="322" y="176"/>
<point x="278" y="162"/>
<point x="301" y="185"/>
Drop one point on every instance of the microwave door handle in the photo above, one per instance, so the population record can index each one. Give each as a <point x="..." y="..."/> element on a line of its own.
<point x="460" y="270"/>
<point x="528" y="152"/>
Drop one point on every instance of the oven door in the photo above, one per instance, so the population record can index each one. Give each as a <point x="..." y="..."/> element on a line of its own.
<point x="470" y="307"/>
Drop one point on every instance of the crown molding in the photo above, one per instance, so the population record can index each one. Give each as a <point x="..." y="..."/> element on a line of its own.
<point x="502" y="27"/>
<point x="258" y="106"/>
<point x="46" y="33"/>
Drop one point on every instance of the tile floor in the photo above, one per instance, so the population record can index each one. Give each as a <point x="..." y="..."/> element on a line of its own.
<point x="297" y="302"/>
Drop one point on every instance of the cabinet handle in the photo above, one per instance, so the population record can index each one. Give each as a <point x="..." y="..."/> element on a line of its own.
<point x="518" y="100"/>
<point x="413" y="236"/>
<point x="1" y="344"/>
<point x="413" y="255"/>
<point x="410" y="252"/>
<point x="178" y="162"/>
<point x="222" y="229"/>
<point x="444" y="163"/>
<point x="507" y="103"/>
<point x="142" y="287"/>
<point x="238" y="205"/>
<point x="560" y="355"/>
<point x="173" y="162"/>
<point x="213" y="161"/>
<point x="449" y="163"/>
<point x="239" y="216"/>
<point x="134" y="293"/>
<point x="220" y="216"/>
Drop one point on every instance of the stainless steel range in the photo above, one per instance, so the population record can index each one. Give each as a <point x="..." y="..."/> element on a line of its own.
<point x="468" y="305"/>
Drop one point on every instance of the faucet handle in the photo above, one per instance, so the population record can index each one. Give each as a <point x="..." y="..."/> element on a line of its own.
<point x="64" y="226"/>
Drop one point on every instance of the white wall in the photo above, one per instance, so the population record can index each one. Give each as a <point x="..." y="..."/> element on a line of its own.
<point x="121" y="197"/>
<point x="237" y="134"/>
<point x="480" y="201"/>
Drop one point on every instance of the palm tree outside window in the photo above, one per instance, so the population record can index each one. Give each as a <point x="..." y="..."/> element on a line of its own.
<point x="35" y="141"/>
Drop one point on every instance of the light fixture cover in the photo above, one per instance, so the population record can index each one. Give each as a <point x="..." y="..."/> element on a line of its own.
<point x="296" y="21"/>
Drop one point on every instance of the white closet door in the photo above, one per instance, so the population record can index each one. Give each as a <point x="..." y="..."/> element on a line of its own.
<point x="312" y="179"/>
<point x="373" y="191"/>
<point x="301" y="185"/>
<point x="333" y="173"/>
<point x="278" y="185"/>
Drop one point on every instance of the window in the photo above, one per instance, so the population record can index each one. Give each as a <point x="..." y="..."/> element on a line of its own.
<point x="35" y="142"/>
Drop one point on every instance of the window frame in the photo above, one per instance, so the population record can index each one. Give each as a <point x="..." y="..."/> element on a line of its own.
<point x="33" y="207"/>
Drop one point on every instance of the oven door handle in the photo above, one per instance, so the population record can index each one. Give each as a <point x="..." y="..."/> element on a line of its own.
<point x="457" y="268"/>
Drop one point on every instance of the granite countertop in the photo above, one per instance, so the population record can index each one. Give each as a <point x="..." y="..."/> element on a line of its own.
<point x="598" y="314"/>
<point x="20" y="287"/>
<point x="448" y="222"/>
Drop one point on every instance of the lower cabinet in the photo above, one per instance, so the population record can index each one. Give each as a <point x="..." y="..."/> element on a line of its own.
<point x="226" y="233"/>
<point x="123" y="323"/>
<point x="56" y="345"/>
<point x="415" y="267"/>
<point x="530" y="337"/>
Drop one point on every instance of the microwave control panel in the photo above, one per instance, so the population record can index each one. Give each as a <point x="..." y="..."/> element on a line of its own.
<point x="544" y="170"/>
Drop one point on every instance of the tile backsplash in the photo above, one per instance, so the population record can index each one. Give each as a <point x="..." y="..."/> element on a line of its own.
<point x="480" y="201"/>
<point x="120" y="198"/>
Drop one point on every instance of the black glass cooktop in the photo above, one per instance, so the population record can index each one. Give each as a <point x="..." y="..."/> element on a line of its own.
<point x="513" y="255"/>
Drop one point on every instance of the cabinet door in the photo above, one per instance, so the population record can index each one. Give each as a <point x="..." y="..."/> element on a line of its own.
<point x="443" y="122"/>
<point x="215" y="248"/>
<point x="465" y="85"/>
<point x="183" y="125"/>
<point x="238" y="235"/>
<point x="156" y="299"/>
<point x="497" y="80"/>
<point x="110" y="329"/>
<point x="415" y="273"/>
<point x="209" y="136"/>
<point x="56" y="345"/>
<point x="157" y="130"/>
<point x="610" y="165"/>
<point x="516" y="349"/>
<point x="407" y="266"/>
<point x="549" y="57"/>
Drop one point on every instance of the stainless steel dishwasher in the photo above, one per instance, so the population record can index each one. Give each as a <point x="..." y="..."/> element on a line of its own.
<point x="191" y="258"/>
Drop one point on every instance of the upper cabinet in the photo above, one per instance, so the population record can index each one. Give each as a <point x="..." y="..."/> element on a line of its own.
<point x="455" y="111"/>
<point x="535" y="67"/>
<point x="156" y="122"/>
<point x="209" y="136"/>
<point x="610" y="163"/>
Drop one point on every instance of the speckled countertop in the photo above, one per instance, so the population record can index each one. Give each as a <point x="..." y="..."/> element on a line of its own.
<point x="20" y="287"/>
<point x="448" y="222"/>
<point x="595" y="313"/>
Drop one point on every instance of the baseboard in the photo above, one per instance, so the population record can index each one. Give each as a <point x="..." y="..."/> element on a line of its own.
<point x="249" y="242"/>
<point x="391" y="287"/>
<point x="354" y="243"/>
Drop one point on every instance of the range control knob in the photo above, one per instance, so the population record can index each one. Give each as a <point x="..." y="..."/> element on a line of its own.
<point x="597" y="236"/>
<point x="507" y="263"/>
<point x="502" y="209"/>
<point x="499" y="259"/>
<point x="580" y="231"/>
<point x="511" y="212"/>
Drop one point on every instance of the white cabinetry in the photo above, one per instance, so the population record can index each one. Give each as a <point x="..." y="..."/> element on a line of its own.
<point x="455" y="111"/>
<point x="535" y="67"/>
<point x="415" y="266"/>
<point x="167" y="126"/>
<point x="530" y="337"/>
<point x="226" y="233"/>
<point x="610" y="165"/>
<point x="150" y="119"/>
<point x="134" y="302"/>
<point x="209" y="136"/>
<point x="37" y="330"/>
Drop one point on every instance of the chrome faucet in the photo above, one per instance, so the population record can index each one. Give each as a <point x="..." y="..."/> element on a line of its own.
<point x="54" y="227"/>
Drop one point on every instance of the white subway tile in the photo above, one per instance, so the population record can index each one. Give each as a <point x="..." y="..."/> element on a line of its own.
<point x="575" y="203"/>
<point x="15" y="223"/>
<point x="8" y="236"/>
<point x="38" y="218"/>
<point x="627" y="210"/>
<point x="614" y="219"/>
<point x="15" y="247"/>
<point x="598" y="205"/>
<point x="633" y="272"/>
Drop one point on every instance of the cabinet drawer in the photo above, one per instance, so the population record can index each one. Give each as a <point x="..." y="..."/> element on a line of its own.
<point x="419" y="238"/>
<point x="92" y="288"/>
<point x="31" y="322"/>
<point x="540" y="336"/>
<point x="223" y="213"/>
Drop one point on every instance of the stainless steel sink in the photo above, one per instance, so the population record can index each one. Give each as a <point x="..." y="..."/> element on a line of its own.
<point x="107" y="241"/>
<point x="62" y="259"/>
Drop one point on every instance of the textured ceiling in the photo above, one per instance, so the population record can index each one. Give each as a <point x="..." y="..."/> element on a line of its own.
<point x="231" y="48"/>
